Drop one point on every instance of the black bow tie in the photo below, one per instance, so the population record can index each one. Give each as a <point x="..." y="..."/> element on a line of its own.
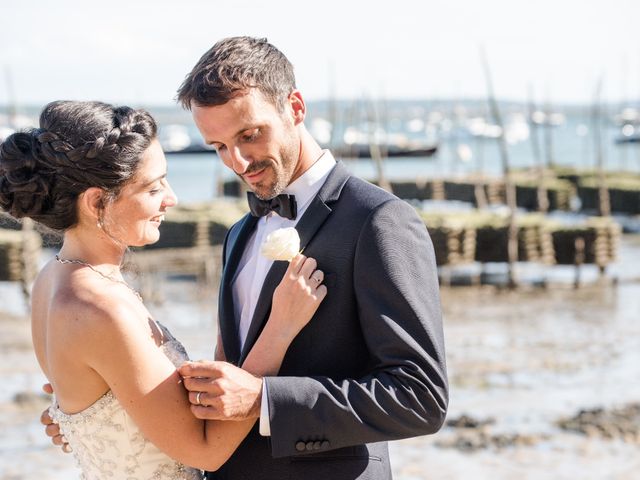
<point x="284" y="205"/>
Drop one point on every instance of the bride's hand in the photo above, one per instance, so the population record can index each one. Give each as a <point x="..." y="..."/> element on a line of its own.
<point x="298" y="296"/>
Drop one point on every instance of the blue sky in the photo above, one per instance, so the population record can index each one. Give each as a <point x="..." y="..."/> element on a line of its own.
<point x="139" y="51"/>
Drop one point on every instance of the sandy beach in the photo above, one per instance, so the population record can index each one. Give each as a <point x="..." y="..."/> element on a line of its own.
<point x="520" y="363"/>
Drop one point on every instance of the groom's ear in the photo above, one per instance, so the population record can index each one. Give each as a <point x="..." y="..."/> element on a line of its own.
<point x="298" y="107"/>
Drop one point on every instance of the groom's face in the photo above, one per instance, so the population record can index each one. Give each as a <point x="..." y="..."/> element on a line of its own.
<point x="253" y="138"/>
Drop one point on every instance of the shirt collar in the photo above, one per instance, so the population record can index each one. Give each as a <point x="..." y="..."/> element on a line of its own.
<point x="309" y="183"/>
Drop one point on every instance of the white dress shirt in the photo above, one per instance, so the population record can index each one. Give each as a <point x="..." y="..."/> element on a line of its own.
<point x="253" y="267"/>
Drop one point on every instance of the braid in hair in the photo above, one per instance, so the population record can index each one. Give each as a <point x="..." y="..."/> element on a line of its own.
<point x="79" y="145"/>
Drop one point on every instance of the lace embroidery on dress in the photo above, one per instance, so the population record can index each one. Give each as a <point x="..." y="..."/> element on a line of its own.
<point x="108" y="445"/>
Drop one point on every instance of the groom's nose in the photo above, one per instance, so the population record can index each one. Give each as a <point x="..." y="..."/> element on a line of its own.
<point x="238" y="162"/>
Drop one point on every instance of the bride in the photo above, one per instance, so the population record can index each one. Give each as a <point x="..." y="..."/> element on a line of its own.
<point x="98" y="173"/>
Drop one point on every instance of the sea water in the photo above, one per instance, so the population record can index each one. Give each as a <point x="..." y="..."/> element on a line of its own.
<point x="196" y="177"/>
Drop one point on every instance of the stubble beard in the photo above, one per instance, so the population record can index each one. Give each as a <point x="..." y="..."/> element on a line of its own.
<point x="282" y="171"/>
<point x="267" y="191"/>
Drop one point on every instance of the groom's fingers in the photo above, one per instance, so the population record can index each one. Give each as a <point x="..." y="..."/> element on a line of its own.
<point x="206" y="413"/>
<point x="195" y="385"/>
<point x="45" y="418"/>
<point x="52" y="430"/>
<point x="201" y="369"/>
<point x="206" y="396"/>
<point x="58" y="440"/>
<point x="47" y="388"/>
<point x="215" y="412"/>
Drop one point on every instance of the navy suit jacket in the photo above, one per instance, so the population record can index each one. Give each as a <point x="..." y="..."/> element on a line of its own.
<point x="370" y="366"/>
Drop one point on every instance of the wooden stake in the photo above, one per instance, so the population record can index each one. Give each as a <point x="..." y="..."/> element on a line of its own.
<point x="512" y="242"/>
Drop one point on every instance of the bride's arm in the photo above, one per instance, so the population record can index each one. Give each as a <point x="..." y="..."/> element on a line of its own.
<point x="148" y="386"/>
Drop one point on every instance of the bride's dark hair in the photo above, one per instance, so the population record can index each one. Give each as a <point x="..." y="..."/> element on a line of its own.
<point x="78" y="145"/>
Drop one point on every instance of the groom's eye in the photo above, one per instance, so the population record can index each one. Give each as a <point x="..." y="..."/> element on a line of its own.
<point x="251" y="136"/>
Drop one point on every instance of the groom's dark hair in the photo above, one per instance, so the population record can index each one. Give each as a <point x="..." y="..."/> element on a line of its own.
<point x="234" y="65"/>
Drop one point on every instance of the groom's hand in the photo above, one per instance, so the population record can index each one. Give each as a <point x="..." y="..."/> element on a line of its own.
<point x="52" y="429"/>
<point x="221" y="391"/>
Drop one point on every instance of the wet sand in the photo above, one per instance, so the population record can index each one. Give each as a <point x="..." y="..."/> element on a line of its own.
<point x="519" y="362"/>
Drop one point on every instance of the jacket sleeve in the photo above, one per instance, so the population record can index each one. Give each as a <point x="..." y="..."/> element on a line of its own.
<point x="405" y="394"/>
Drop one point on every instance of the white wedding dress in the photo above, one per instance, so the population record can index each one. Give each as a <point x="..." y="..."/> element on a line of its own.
<point x="108" y="445"/>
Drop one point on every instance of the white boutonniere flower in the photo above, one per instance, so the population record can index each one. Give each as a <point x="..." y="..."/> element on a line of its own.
<point x="281" y="244"/>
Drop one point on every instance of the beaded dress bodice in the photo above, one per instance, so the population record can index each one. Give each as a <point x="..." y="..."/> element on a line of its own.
<point x="108" y="445"/>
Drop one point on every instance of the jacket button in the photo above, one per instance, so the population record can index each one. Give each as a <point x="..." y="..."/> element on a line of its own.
<point x="309" y="446"/>
<point x="317" y="445"/>
<point x="300" y="446"/>
<point x="325" y="444"/>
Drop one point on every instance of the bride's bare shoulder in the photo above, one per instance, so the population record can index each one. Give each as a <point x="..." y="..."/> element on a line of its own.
<point x="92" y="305"/>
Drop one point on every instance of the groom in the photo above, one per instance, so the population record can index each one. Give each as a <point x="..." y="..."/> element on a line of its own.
<point x="370" y="366"/>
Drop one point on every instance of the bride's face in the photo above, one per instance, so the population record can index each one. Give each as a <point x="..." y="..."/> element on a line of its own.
<point x="135" y="216"/>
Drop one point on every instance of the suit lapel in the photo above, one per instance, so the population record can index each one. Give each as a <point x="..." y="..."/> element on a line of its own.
<point x="315" y="215"/>
<point x="226" y="311"/>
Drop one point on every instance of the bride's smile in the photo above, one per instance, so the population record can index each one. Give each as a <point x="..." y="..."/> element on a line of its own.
<point x="135" y="216"/>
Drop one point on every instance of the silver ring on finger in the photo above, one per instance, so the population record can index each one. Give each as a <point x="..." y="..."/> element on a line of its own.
<point x="198" y="398"/>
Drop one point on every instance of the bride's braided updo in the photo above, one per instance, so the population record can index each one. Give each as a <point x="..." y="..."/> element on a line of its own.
<point x="78" y="145"/>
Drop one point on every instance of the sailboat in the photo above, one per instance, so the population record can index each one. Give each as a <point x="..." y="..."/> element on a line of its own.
<point x="629" y="123"/>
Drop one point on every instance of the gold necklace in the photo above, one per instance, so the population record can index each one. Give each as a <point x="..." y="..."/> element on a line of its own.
<point x="108" y="277"/>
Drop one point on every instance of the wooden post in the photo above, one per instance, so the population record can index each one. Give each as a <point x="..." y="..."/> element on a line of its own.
<point x="333" y="106"/>
<point x="479" y="188"/>
<point x="512" y="242"/>
<point x="374" y="148"/>
<point x="578" y="259"/>
<point x="604" y="204"/>
<point x="548" y="137"/>
<point x="624" y="146"/>
<point x="543" y="199"/>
